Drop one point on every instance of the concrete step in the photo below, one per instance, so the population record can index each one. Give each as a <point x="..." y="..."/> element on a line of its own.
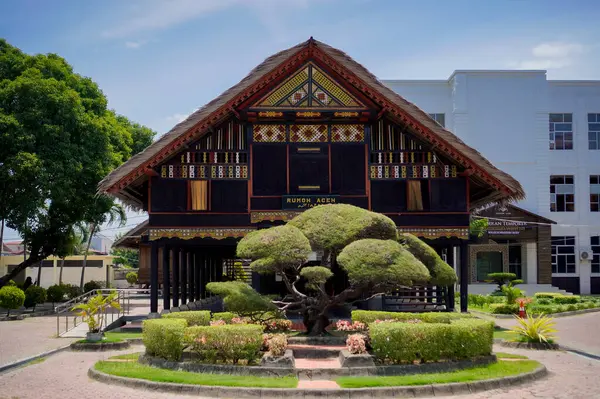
<point x="315" y="351"/>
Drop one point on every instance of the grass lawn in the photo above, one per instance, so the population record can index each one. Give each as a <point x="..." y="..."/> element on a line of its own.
<point x="501" y="369"/>
<point x="503" y="355"/>
<point x="502" y="333"/>
<point x="484" y="309"/>
<point x="136" y="370"/>
<point x="106" y="339"/>
<point x="127" y="356"/>
<point x="123" y="335"/>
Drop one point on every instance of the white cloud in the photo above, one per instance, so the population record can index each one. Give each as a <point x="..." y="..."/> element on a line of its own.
<point x="557" y="50"/>
<point x="178" y="117"/>
<point x="164" y="14"/>
<point x="134" y="45"/>
<point x="552" y="55"/>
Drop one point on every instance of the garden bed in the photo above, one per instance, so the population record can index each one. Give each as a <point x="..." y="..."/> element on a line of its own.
<point x="530" y="345"/>
<point x="100" y="346"/>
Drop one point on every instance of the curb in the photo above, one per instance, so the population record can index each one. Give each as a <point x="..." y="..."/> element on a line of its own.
<point x="99" y="347"/>
<point x="19" y="363"/>
<point x="458" y="388"/>
<point x="561" y="314"/>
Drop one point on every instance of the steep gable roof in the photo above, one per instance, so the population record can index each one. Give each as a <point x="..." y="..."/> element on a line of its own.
<point x="502" y="186"/>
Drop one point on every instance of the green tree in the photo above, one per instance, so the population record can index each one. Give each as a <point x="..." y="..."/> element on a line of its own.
<point x="125" y="256"/>
<point x="57" y="141"/>
<point x="11" y="297"/>
<point x="361" y="246"/>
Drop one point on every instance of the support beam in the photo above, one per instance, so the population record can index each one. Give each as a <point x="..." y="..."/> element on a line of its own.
<point x="166" y="264"/>
<point x="452" y="262"/>
<point x="184" y="267"/>
<point x="154" y="277"/>
<point x="464" y="275"/>
<point x="175" y="277"/>
<point x="191" y="277"/>
<point x="198" y="263"/>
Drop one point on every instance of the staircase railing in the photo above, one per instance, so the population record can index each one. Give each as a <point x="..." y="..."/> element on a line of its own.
<point x="64" y="310"/>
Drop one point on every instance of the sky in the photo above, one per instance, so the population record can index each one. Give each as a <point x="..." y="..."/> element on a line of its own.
<point x="159" y="60"/>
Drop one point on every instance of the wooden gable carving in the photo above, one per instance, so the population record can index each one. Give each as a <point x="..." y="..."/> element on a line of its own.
<point x="309" y="87"/>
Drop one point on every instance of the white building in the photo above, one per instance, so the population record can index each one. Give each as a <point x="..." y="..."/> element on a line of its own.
<point x="546" y="134"/>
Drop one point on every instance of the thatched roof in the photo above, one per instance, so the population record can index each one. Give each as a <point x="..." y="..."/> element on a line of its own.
<point x="497" y="185"/>
<point x="131" y="239"/>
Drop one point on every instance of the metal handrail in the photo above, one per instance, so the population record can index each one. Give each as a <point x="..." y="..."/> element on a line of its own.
<point x="123" y="298"/>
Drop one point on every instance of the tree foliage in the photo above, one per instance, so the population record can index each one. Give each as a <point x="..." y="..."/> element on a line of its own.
<point x="57" y="141"/>
<point x="365" y="245"/>
<point x="245" y="301"/>
<point x="441" y="273"/>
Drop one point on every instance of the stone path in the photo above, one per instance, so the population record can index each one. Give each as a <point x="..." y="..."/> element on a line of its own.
<point x="64" y="376"/>
<point x="577" y="332"/>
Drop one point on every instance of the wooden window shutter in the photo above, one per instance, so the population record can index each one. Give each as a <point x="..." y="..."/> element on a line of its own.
<point x="415" y="197"/>
<point x="199" y="195"/>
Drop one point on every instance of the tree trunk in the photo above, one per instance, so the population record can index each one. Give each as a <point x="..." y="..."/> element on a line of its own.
<point x="62" y="264"/>
<point x="316" y="324"/>
<point x="39" y="276"/>
<point x="85" y="255"/>
<point x="2" y="238"/>
<point x="32" y="260"/>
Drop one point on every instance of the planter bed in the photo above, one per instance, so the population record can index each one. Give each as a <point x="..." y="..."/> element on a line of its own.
<point x="316" y="373"/>
<point x="99" y="346"/>
<point x="530" y="345"/>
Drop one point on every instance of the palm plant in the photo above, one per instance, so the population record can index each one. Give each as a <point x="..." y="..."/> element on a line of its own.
<point x="535" y="329"/>
<point x="76" y="246"/>
<point x="115" y="214"/>
<point x="92" y="312"/>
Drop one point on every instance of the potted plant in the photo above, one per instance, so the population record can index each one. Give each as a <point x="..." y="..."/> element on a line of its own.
<point x="93" y="311"/>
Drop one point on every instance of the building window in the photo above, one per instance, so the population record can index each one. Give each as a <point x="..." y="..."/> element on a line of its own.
<point x="595" y="193"/>
<point x="439" y="118"/>
<point x="561" y="131"/>
<point x="562" y="193"/>
<point x="594" y="131"/>
<point x="563" y="255"/>
<point x="199" y="195"/>
<point x="596" y="254"/>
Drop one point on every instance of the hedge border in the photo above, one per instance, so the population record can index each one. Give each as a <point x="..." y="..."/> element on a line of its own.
<point x="99" y="347"/>
<point x="458" y="388"/>
<point x="317" y="373"/>
<point x="553" y="315"/>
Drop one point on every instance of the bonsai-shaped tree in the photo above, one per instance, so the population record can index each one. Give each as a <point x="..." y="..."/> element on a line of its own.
<point x="93" y="311"/>
<point x="502" y="279"/>
<point x="362" y="246"/>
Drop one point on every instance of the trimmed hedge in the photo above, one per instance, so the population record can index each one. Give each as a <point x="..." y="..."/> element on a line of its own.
<point x="225" y="316"/>
<point x="549" y="295"/>
<point x="164" y="337"/>
<point x="225" y="343"/>
<point x="193" y="317"/>
<point x="398" y="343"/>
<point x="566" y="299"/>
<point x="369" y="316"/>
<point x="504" y="308"/>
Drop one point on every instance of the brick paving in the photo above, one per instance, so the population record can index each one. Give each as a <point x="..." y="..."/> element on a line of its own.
<point x="317" y="384"/>
<point x="328" y="363"/>
<point x="64" y="376"/>
<point x="20" y="339"/>
<point x="577" y="332"/>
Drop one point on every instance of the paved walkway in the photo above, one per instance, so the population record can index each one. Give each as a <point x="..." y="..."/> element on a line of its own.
<point x="64" y="376"/>
<point x="577" y="332"/>
<point x="20" y="339"/>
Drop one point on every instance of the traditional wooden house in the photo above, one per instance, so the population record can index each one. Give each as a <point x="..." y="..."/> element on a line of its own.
<point x="307" y="126"/>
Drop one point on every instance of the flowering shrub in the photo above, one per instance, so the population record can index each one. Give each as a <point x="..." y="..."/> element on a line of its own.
<point x="409" y="321"/>
<point x="217" y="323"/>
<point x="344" y="325"/>
<point x="238" y="320"/>
<point x="356" y="344"/>
<point x="225" y="343"/>
<point x="265" y="342"/>
<point x="226" y="316"/>
<point x="281" y="325"/>
<point x="277" y="344"/>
